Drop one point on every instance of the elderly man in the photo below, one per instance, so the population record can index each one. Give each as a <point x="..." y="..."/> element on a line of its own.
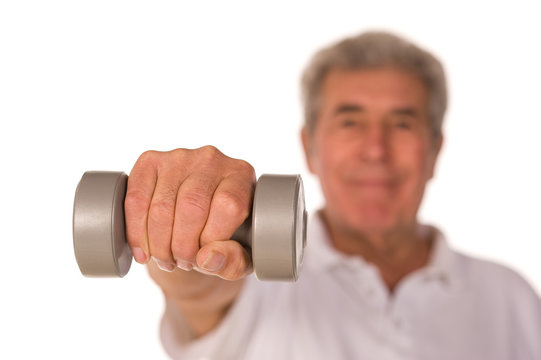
<point x="376" y="284"/>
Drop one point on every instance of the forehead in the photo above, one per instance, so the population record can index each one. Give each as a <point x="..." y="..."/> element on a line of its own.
<point x="378" y="87"/>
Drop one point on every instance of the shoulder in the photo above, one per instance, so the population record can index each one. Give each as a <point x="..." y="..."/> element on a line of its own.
<point x="499" y="281"/>
<point x="500" y="299"/>
<point x="475" y="269"/>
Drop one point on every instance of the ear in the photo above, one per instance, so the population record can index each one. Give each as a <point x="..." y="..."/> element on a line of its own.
<point x="436" y="152"/>
<point x="307" y="146"/>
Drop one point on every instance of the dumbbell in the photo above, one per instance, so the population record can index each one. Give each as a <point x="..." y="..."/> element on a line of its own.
<point x="275" y="231"/>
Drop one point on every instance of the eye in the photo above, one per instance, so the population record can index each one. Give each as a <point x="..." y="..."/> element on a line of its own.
<point x="402" y="123"/>
<point x="348" y="123"/>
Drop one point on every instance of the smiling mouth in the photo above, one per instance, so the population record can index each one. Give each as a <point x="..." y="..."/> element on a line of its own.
<point x="374" y="182"/>
<point x="372" y="185"/>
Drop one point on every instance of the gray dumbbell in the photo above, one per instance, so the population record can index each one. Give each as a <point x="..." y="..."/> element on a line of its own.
<point x="275" y="230"/>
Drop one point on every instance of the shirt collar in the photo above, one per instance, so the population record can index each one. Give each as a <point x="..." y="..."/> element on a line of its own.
<point x="322" y="256"/>
<point x="443" y="264"/>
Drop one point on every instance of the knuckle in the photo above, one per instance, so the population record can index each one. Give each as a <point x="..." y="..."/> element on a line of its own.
<point x="147" y="157"/>
<point x="168" y="192"/>
<point x="162" y="211"/>
<point x="209" y="153"/>
<point x="160" y="254"/>
<point x="160" y="248"/>
<point x="179" y="154"/>
<point x="162" y="160"/>
<point x="232" y="205"/>
<point x="135" y="202"/>
<point x="194" y="203"/>
<point x="184" y="250"/>
<point x="245" y="167"/>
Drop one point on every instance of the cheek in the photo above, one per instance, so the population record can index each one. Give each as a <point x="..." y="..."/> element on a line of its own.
<point x="326" y="165"/>
<point x="325" y="157"/>
<point x="415" y="165"/>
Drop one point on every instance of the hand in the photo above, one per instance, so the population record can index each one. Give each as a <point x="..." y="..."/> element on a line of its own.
<point x="183" y="206"/>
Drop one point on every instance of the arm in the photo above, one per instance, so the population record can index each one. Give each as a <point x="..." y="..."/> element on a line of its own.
<point x="203" y="300"/>
<point x="182" y="207"/>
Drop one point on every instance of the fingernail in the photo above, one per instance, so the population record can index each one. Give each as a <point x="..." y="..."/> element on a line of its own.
<point x="164" y="265"/>
<point x="184" y="265"/>
<point x="214" y="262"/>
<point x="199" y="270"/>
<point x="139" y="255"/>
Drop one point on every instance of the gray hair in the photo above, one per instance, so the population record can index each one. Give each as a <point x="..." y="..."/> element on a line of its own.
<point x="372" y="50"/>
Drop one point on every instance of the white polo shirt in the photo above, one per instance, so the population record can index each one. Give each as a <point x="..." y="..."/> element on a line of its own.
<point x="456" y="308"/>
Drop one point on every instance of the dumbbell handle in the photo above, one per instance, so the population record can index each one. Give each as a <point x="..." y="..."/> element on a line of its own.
<point x="277" y="222"/>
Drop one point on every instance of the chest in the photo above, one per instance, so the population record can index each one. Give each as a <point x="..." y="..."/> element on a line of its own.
<point x="348" y="317"/>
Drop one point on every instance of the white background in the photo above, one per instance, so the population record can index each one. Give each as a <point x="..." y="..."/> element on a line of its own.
<point x="92" y="84"/>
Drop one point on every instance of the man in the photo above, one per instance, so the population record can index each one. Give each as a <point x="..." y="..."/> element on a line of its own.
<point x="375" y="283"/>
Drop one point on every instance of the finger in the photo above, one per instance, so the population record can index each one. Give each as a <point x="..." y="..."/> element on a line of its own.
<point x="191" y="214"/>
<point x="161" y="215"/>
<point x="141" y="183"/>
<point x="226" y="259"/>
<point x="231" y="205"/>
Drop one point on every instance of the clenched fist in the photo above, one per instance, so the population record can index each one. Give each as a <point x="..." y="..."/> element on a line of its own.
<point x="183" y="206"/>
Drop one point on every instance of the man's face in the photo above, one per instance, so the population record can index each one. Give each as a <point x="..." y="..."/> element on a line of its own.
<point x="372" y="148"/>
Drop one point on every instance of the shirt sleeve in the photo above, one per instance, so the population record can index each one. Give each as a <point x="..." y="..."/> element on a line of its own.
<point x="224" y="342"/>
<point x="525" y="310"/>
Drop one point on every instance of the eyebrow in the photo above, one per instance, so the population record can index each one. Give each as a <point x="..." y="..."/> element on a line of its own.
<point x="353" y="108"/>
<point x="348" y="108"/>
<point x="406" y="111"/>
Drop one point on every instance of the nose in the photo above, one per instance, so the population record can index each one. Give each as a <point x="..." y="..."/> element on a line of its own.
<point x="375" y="144"/>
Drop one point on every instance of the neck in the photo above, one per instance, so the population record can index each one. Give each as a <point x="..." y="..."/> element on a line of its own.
<point x="396" y="253"/>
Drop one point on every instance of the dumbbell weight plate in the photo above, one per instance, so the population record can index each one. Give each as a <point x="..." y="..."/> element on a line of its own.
<point x="276" y="233"/>
<point x="278" y="227"/>
<point x="99" y="238"/>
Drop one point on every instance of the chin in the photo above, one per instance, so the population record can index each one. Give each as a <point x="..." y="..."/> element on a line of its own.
<point x="371" y="226"/>
<point x="362" y="220"/>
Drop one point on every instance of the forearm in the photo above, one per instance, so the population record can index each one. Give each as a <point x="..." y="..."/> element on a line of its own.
<point x="202" y="300"/>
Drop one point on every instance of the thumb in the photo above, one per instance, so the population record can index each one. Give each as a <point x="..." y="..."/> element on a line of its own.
<point x="226" y="259"/>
